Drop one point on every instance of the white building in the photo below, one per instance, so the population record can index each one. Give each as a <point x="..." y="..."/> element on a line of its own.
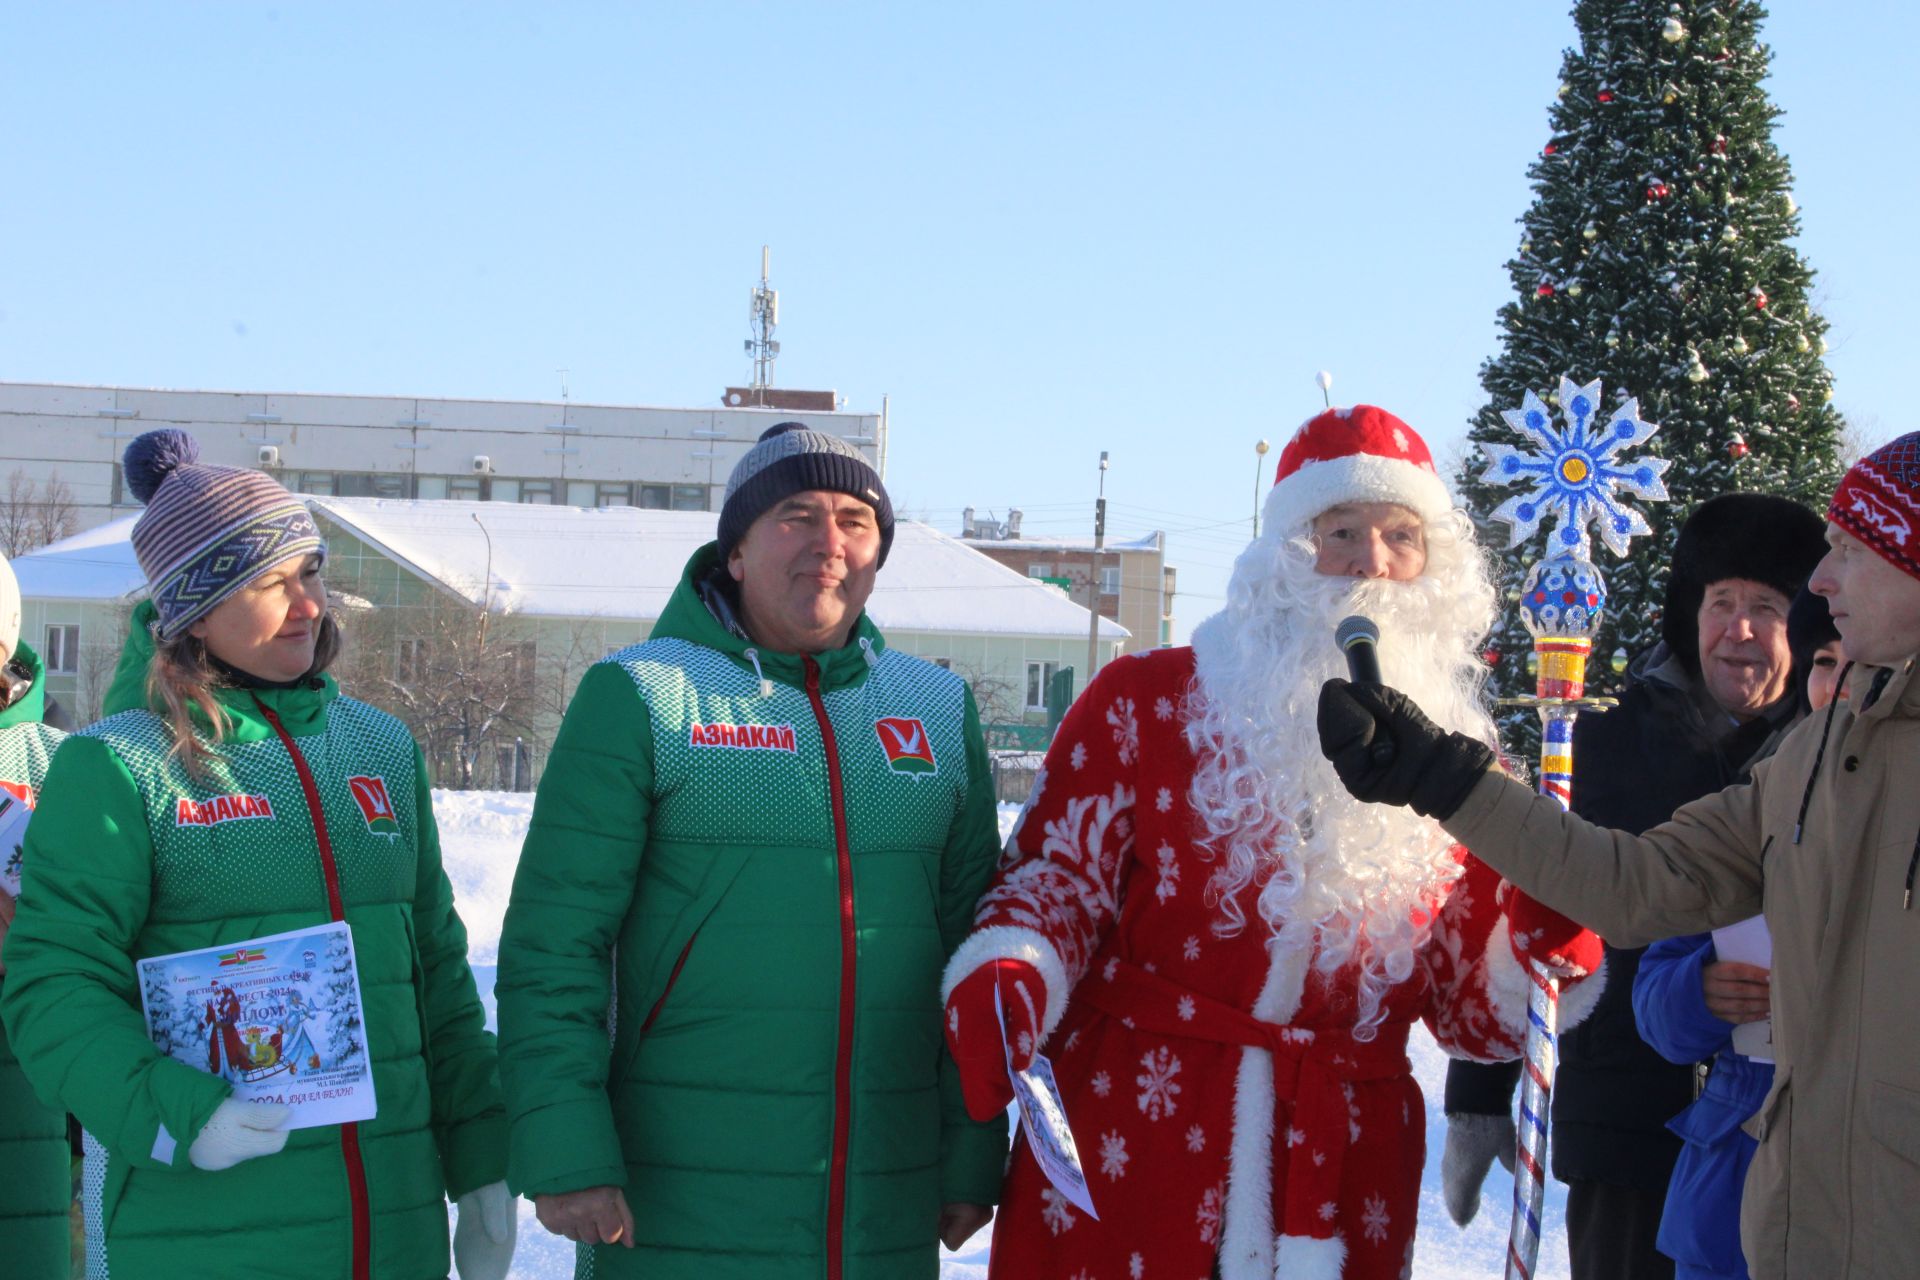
<point x="500" y="451"/>
<point x="576" y="584"/>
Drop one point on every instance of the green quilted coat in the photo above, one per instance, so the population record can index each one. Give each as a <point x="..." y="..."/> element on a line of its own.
<point x="35" y="1182"/>
<point x="762" y="882"/>
<point x="114" y="874"/>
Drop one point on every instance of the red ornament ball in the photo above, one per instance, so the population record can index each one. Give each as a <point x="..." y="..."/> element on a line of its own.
<point x="1549" y="149"/>
<point x="1737" y="448"/>
<point x="1759" y="299"/>
<point x="1491" y="657"/>
<point x="1605" y="95"/>
<point x="1658" y="191"/>
<point x="1544" y="291"/>
<point x="1720" y="145"/>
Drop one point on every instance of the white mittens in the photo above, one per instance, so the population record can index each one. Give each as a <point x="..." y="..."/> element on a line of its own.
<point x="239" y="1131"/>
<point x="1473" y="1143"/>
<point x="483" y="1233"/>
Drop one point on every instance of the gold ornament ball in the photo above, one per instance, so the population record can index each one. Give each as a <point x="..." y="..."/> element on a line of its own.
<point x="1801" y="344"/>
<point x="1729" y="233"/>
<point x="1740" y="347"/>
<point x="1574" y="290"/>
<point x="1618" y="661"/>
<point x="1673" y="31"/>
<point x="1697" y="372"/>
<point x="1591" y="231"/>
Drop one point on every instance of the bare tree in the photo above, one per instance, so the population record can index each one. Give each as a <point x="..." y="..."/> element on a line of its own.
<point x="33" y="515"/>
<point x="98" y="661"/>
<point x="463" y="682"/>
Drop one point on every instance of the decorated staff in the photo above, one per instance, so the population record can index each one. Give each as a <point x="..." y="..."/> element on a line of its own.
<point x="1575" y="474"/>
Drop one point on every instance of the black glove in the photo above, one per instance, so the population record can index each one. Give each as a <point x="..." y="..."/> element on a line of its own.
<point x="1387" y="752"/>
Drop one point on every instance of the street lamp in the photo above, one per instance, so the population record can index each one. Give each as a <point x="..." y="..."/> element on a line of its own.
<point x="1093" y="583"/>
<point x="1259" y="470"/>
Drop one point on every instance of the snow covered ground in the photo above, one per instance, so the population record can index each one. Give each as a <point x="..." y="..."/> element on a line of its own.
<point x="480" y="834"/>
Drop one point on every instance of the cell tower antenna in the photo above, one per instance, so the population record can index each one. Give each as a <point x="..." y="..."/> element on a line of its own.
<point x="763" y="314"/>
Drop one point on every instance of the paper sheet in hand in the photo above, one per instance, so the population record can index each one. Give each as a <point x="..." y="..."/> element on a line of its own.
<point x="279" y="1018"/>
<point x="14" y="815"/>
<point x="1749" y="942"/>
<point x="1043" y="1118"/>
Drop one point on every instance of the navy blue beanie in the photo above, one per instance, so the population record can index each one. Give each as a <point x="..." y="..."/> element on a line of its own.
<point x="793" y="458"/>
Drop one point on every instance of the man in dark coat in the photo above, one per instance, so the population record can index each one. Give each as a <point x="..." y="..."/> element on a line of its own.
<point x="1697" y="710"/>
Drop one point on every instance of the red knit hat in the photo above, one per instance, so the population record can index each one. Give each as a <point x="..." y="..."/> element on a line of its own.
<point x="1878" y="502"/>
<point x="1362" y="454"/>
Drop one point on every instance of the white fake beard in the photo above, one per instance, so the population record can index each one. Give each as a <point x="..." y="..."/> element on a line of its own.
<point x="1349" y="879"/>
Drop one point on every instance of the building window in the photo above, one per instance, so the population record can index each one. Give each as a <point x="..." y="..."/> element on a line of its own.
<point x="689" y="497"/>
<point x="1039" y="676"/>
<point x="62" y="653"/>
<point x="362" y="484"/>
<point x="409" y="659"/>
<point x="580" y="493"/>
<point x="537" y="492"/>
<point x="316" y="482"/>
<point x="1039" y="571"/>
<point x="609" y="494"/>
<point x="655" y="497"/>
<point x="430" y="487"/>
<point x="1110" y="580"/>
<point x="503" y="490"/>
<point x="463" y="488"/>
<point x="520" y="664"/>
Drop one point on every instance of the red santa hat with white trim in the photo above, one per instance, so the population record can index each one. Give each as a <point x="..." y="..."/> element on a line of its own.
<point x="1361" y="454"/>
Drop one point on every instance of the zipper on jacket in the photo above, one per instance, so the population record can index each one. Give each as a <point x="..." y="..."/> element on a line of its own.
<point x="361" y="1210"/>
<point x="843" y="1051"/>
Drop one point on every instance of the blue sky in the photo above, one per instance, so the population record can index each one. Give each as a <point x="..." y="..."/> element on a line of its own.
<point x="1043" y="231"/>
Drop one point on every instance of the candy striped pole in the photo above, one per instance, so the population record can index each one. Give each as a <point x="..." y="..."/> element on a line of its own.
<point x="1560" y="683"/>
<point x="1574" y="475"/>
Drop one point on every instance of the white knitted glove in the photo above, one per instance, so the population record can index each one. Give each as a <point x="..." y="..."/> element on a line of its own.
<point x="1473" y="1143"/>
<point x="239" y="1131"/>
<point x="483" y="1233"/>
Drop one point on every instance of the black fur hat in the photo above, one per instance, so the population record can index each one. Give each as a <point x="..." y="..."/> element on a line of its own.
<point x="1756" y="536"/>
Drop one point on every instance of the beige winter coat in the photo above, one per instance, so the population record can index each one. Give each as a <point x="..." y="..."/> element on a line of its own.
<point x="1834" y="1190"/>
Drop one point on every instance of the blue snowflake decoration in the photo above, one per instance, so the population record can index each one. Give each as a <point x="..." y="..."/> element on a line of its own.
<point x="1576" y="474"/>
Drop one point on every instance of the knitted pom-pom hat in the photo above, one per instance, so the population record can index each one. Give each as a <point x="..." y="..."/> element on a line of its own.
<point x="207" y="531"/>
<point x="1362" y="454"/>
<point x="793" y="458"/>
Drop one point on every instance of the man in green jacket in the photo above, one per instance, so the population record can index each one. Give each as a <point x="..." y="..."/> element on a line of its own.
<point x="758" y="838"/>
<point x="35" y="1167"/>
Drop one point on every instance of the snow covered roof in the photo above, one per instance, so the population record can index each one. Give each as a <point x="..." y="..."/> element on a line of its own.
<point x="1150" y="542"/>
<point x="622" y="562"/>
<point x="95" y="565"/>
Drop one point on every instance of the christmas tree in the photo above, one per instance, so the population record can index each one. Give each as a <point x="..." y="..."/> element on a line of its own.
<point x="342" y="1003"/>
<point x="1657" y="258"/>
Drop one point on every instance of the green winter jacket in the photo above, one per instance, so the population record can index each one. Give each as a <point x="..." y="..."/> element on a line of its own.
<point x="114" y="874"/>
<point x="35" y="1178"/>
<point x="765" y="881"/>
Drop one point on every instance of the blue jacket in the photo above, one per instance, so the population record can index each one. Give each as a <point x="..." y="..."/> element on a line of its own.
<point x="1700" y="1228"/>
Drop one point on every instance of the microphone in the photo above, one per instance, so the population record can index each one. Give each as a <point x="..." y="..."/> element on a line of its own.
<point x="1357" y="637"/>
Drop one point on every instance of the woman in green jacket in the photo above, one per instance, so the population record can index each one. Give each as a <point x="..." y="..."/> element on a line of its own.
<point x="36" y="1181"/>
<point x="248" y="798"/>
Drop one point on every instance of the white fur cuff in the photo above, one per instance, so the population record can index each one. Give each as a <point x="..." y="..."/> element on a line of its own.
<point x="1309" y="1258"/>
<point x="1012" y="942"/>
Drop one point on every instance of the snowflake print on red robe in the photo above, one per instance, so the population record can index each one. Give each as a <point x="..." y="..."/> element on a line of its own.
<point x="1232" y="953"/>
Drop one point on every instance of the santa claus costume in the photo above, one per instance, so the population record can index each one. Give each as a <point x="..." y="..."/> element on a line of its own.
<point x="1221" y="952"/>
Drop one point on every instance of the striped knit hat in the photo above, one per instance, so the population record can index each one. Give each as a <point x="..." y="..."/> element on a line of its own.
<point x="793" y="458"/>
<point x="1878" y="502"/>
<point x="207" y="531"/>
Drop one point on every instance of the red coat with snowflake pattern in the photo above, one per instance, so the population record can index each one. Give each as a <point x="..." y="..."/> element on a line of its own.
<point x="1180" y="1054"/>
